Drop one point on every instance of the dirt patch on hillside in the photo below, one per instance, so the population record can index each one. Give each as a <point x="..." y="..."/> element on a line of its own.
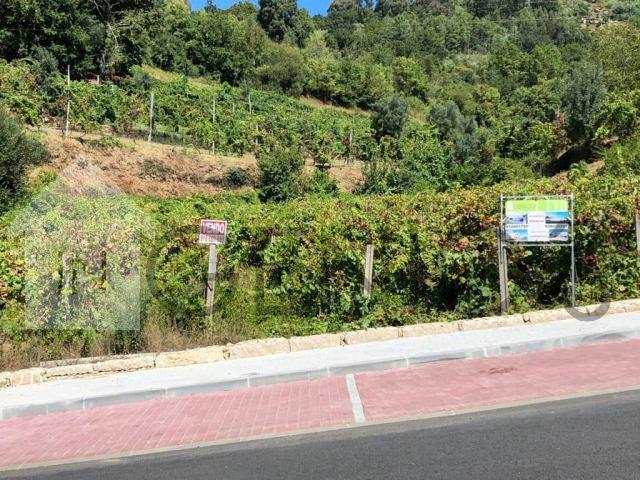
<point x="158" y="170"/>
<point x="146" y="169"/>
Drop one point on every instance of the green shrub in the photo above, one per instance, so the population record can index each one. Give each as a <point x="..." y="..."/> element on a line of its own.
<point x="237" y="177"/>
<point x="321" y="183"/>
<point x="623" y="160"/>
<point x="17" y="152"/>
<point x="390" y="117"/>
<point x="280" y="174"/>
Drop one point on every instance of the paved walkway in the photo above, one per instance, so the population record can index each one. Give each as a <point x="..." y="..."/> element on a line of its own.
<point x="328" y="402"/>
<point x="57" y="396"/>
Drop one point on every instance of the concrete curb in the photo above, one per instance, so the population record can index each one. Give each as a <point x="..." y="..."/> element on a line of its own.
<point x="86" y="367"/>
<point x="392" y="362"/>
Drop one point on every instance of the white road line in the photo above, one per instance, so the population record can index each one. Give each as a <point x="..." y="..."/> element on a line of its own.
<point x="356" y="403"/>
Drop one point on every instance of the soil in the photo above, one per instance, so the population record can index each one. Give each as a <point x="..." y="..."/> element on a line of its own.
<point x="159" y="170"/>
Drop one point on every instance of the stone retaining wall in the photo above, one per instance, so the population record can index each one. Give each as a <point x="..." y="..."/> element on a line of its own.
<point x="64" y="369"/>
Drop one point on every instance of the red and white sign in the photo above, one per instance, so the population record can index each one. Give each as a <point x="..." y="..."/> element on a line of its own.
<point x="213" y="232"/>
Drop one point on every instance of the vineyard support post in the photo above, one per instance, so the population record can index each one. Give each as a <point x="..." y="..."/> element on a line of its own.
<point x="368" y="272"/>
<point x="66" y="123"/>
<point x="151" y="106"/>
<point x="351" y="141"/>
<point x="67" y="278"/>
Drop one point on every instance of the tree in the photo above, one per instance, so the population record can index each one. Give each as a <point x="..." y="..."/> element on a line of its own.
<point x="225" y="46"/>
<point x="391" y="7"/>
<point x="617" y="48"/>
<point x="277" y="17"/>
<point x="17" y="152"/>
<point x="409" y="78"/>
<point x="343" y="16"/>
<point x="66" y="28"/>
<point x="584" y="93"/>
<point x="390" y="117"/>
<point x="618" y="117"/>
<point x="283" y="69"/>
<point x="448" y="119"/>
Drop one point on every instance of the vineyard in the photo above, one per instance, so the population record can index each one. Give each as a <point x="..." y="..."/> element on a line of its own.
<point x="231" y="121"/>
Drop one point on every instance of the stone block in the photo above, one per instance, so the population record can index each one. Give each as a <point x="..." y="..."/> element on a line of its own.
<point x="138" y="362"/>
<point x="28" y="376"/>
<point x="313" y="342"/>
<point x="491" y="322"/>
<point x="371" y="335"/>
<point x="258" y="348"/>
<point x="5" y="379"/>
<point x="545" y="316"/>
<point x="425" y="329"/>
<point x="69" y="371"/>
<point x="190" y="357"/>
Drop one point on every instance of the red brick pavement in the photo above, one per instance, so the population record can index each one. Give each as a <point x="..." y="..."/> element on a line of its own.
<point x="461" y="385"/>
<point x="171" y="422"/>
<point x="501" y="380"/>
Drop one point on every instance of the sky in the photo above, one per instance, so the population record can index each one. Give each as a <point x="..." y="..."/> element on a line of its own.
<point x="314" y="6"/>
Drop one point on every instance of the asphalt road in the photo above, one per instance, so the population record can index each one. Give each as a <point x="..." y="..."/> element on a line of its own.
<point x="587" y="438"/>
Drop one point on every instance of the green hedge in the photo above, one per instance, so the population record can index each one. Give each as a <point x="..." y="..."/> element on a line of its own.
<point x="296" y="268"/>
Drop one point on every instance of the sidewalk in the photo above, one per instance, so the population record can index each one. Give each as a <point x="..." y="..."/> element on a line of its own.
<point x="205" y="419"/>
<point x="79" y="394"/>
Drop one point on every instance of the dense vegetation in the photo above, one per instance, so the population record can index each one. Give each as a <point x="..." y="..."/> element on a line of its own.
<point x="446" y="103"/>
<point x="18" y="152"/>
<point x="491" y="89"/>
<point x="296" y="268"/>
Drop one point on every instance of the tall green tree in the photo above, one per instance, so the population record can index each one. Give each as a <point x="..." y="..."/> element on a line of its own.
<point x="277" y="17"/>
<point x="584" y="93"/>
<point x="617" y="48"/>
<point x="390" y="117"/>
<point x="66" y="28"/>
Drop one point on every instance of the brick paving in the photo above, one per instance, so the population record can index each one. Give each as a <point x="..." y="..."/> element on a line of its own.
<point x="502" y="380"/>
<point x="290" y="407"/>
<point x="121" y="429"/>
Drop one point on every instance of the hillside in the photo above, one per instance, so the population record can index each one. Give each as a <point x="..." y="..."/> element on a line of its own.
<point x="160" y="170"/>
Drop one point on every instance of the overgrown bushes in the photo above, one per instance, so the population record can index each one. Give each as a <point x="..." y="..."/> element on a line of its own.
<point x="296" y="268"/>
<point x="17" y="152"/>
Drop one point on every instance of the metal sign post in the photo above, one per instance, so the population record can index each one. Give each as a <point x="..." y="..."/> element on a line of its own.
<point x="212" y="233"/>
<point x="535" y="221"/>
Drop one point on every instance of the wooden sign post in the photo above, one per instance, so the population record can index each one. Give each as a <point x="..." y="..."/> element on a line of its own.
<point x="211" y="277"/>
<point x="638" y="230"/>
<point x="212" y="233"/>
